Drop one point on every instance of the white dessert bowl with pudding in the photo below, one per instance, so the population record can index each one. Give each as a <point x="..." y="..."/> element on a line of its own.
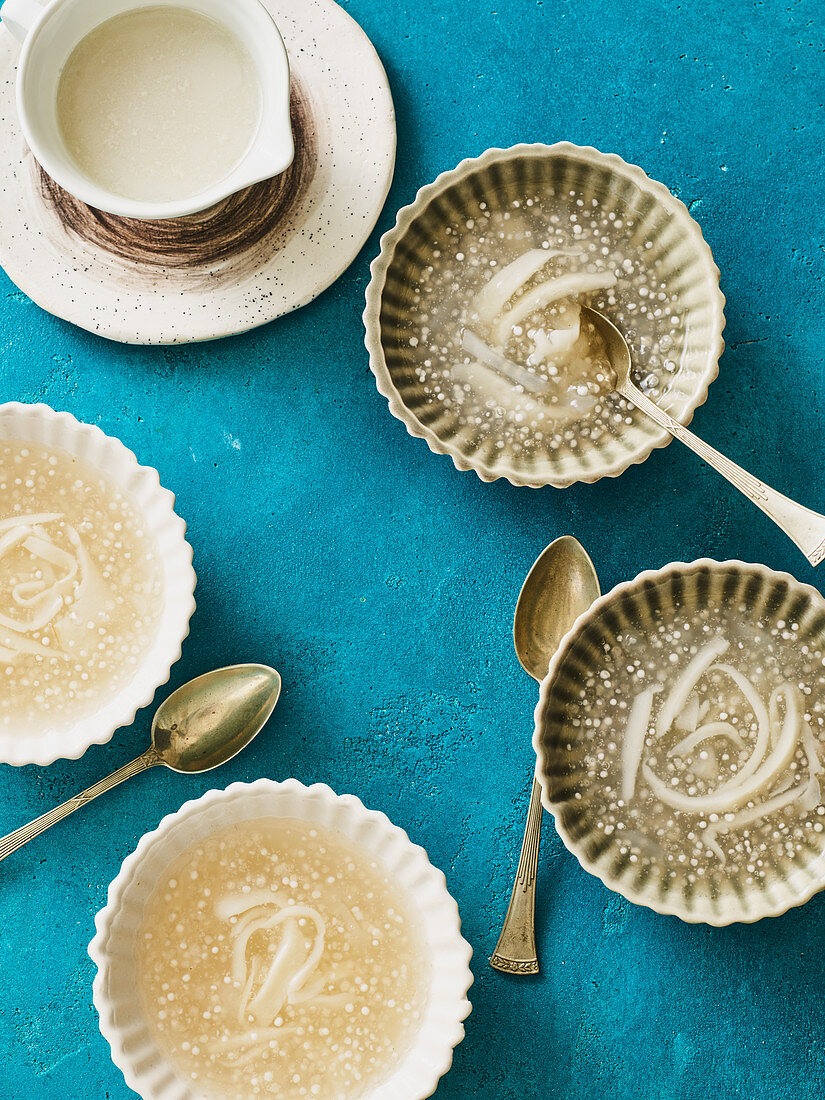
<point x="96" y="585"/>
<point x="680" y="737"/>
<point x="273" y="940"/>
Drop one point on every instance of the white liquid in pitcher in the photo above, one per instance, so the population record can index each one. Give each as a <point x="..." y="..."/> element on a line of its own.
<point x="158" y="104"/>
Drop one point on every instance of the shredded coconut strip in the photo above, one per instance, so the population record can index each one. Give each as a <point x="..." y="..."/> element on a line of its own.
<point x="46" y="549"/>
<point x="549" y="342"/>
<point x="495" y="295"/>
<point x="674" y="704"/>
<point x="43" y="602"/>
<point x="809" y="790"/>
<point x="493" y="359"/>
<point x="27" y="593"/>
<point x="688" y="718"/>
<point x="38" y="620"/>
<point x="638" y="721"/>
<point x="273" y="991"/>
<point x="30" y="520"/>
<point x="763" y="719"/>
<point x="704" y="733"/>
<point x="14" y="537"/>
<point x="812" y="748"/>
<point x="735" y="792"/>
<point x="565" y="286"/>
<point x="284" y="979"/>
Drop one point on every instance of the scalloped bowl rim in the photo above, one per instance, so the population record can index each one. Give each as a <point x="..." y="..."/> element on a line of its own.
<point x="657" y="575"/>
<point x="407" y="214"/>
<point x="156" y="667"/>
<point x="130" y="868"/>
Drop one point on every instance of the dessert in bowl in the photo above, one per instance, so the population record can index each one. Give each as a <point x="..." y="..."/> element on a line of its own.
<point x="96" y="585"/>
<point x="277" y="940"/>
<point x="680" y="736"/>
<point x="473" y="318"/>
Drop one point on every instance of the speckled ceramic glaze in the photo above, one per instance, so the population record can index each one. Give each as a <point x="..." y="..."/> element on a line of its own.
<point x="724" y="896"/>
<point x="112" y="949"/>
<point x="42" y="425"/>
<point x="255" y="256"/>
<point x="684" y="265"/>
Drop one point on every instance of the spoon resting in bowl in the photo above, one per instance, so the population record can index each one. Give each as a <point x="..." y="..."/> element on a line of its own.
<point x="800" y="524"/>
<point x="198" y="727"/>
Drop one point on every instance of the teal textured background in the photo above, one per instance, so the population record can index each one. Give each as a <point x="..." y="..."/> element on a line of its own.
<point x="381" y="582"/>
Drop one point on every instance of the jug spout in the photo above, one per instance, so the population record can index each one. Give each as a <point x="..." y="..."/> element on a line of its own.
<point x="272" y="153"/>
<point x="19" y="16"/>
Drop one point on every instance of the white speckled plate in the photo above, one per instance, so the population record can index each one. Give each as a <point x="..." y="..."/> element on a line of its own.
<point x="251" y="259"/>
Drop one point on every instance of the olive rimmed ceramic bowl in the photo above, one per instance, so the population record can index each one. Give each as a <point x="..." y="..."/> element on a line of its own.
<point x="740" y="591"/>
<point x="570" y="173"/>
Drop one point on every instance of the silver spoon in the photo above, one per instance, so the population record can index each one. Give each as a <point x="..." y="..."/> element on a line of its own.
<point x="201" y="725"/>
<point x="800" y="524"/>
<point x="561" y="585"/>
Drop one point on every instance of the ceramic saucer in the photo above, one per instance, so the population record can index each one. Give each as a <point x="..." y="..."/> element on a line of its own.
<point x="254" y="257"/>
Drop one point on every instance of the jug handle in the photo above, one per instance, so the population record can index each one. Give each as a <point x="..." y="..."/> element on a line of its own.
<point x="19" y="16"/>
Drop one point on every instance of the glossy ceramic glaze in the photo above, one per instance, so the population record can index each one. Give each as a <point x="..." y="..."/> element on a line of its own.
<point x="768" y="598"/>
<point x="499" y="176"/>
<point x="112" y="949"/>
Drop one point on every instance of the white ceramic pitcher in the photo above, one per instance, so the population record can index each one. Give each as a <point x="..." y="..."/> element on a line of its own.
<point x="49" y="35"/>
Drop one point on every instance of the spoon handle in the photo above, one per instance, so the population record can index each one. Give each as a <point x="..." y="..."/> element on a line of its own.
<point x="25" y="833"/>
<point x="515" y="951"/>
<point x="800" y="524"/>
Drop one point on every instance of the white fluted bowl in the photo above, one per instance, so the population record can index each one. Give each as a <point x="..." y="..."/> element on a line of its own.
<point x="496" y="178"/>
<point x="112" y="950"/>
<point x="42" y="425"/>
<point x="742" y="591"/>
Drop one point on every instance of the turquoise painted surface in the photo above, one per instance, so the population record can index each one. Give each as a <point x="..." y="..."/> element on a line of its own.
<point x="381" y="582"/>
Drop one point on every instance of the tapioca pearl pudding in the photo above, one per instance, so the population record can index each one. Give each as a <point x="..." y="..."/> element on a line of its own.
<point x="80" y="588"/>
<point x="502" y="292"/>
<point x="277" y="959"/>
<point x="701" y="745"/>
<point x="158" y="103"/>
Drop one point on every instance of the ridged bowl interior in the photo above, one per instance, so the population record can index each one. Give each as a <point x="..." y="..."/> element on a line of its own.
<point x="564" y="173"/>
<point x="752" y="593"/>
<point x="145" y="1069"/>
<point x="41" y="424"/>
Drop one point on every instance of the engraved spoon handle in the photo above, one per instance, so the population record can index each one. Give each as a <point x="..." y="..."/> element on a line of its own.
<point x="515" y="951"/>
<point x="25" y="833"/>
<point x="800" y="524"/>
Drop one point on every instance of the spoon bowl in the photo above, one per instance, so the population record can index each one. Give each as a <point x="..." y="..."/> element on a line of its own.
<point x="200" y="726"/>
<point x="209" y="720"/>
<point x="561" y="584"/>
<point x="618" y="352"/>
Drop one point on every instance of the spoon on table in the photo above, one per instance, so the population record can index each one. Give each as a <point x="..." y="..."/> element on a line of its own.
<point x="198" y="727"/>
<point x="800" y="524"/>
<point x="561" y="585"/>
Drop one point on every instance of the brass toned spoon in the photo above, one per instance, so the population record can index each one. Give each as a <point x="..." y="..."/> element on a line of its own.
<point x="561" y="585"/>
<point x="800" y="524"/>
<point x="198" y="727"/>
